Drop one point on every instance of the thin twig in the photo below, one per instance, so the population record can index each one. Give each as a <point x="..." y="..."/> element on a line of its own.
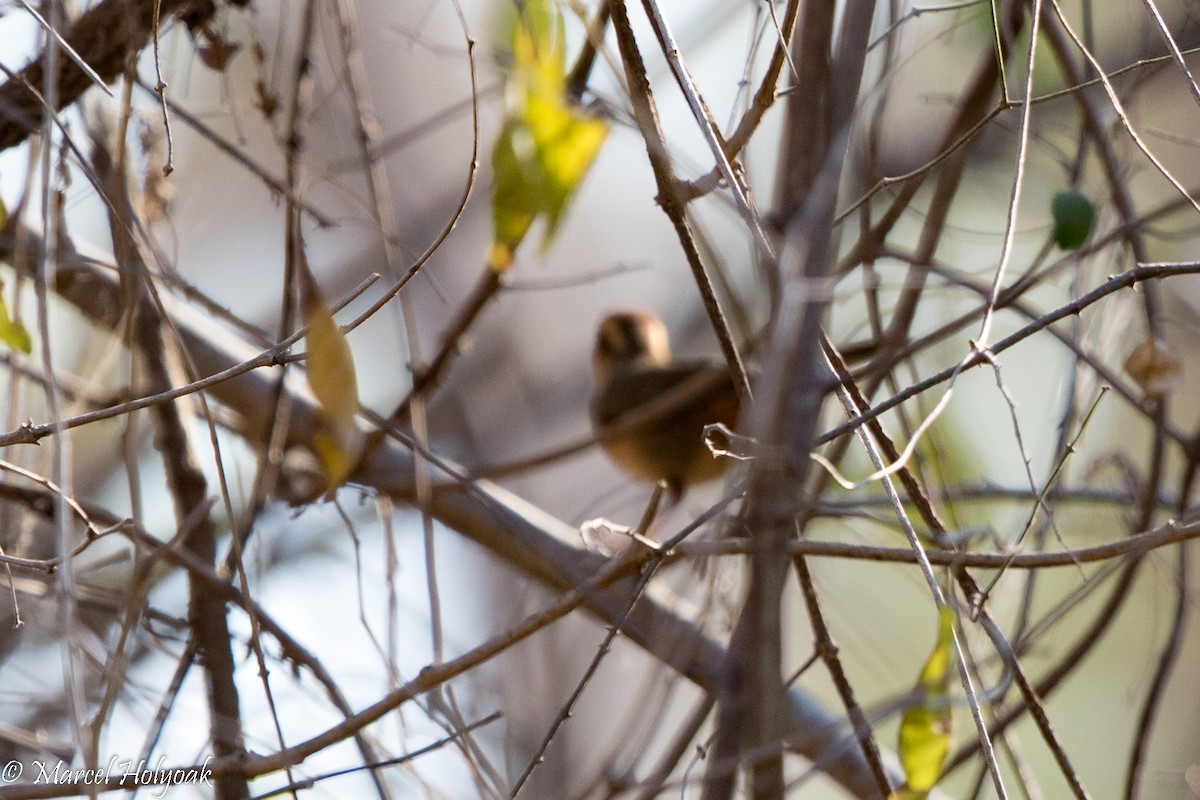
<point x="708" y="126"/>
<point x="827" y="651"/>
<point x="1137" y="545"/>
<point x="1018" y="186"/>
<point x="656" y="149"/>
<point x="1119" y="109"/>
<point x="1134" y="275"/>
<point x="240" y="156"/>
<point x="1169" y="655"/>
<point x="567" y="707"/>
<point x="983" y="738"/>
<point x="160" y="89"/>
<point x="53" y="33"/>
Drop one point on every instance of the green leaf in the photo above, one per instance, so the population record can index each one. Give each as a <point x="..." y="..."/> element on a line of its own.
<point x="925" y="726"/>
<point x="546" y="145"/>
<point x="515" y="193"/>
<point x="13" y="334"/>
<point x="1073" y="218"/>
<point x="536" y="37"/>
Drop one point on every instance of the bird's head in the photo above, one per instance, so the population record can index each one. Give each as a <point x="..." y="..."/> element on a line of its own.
<point x="629" y="339"/>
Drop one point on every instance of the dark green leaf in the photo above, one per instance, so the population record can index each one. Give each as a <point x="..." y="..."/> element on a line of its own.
<point x="1073" y="218"/>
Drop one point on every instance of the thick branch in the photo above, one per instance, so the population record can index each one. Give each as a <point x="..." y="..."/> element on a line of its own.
<point x="187" y="484"/>
<point x="106" y="36"/>
<point x="525" y="537"/>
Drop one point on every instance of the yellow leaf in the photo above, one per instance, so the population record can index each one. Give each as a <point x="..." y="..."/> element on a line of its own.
<point x="546" y="145"/>
<point x="566" y="141"/>
<point x="13" y="334"/>
<point x="338" y="441"/>
<point x="337" y="457"/>
<point x="925" y="726"/>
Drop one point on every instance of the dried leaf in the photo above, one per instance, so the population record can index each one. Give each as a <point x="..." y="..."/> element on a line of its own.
<point x="1155" y="367"/>
<point x="217" y="54"/>
<point x="338" y="440"/>
<point x="267" y="102"/>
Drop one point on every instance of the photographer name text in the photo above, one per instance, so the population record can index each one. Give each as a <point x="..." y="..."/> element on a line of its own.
<point x="117" y="772"/>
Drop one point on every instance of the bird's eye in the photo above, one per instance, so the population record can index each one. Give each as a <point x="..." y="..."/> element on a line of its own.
<point x="618" y="337"/>
<point x="628" y="339"/>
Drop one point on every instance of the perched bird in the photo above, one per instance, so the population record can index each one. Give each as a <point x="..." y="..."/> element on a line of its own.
<point x="649" y="411"/>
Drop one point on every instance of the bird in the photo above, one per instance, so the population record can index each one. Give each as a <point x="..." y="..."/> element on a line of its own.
<point x="649" y="410"/>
